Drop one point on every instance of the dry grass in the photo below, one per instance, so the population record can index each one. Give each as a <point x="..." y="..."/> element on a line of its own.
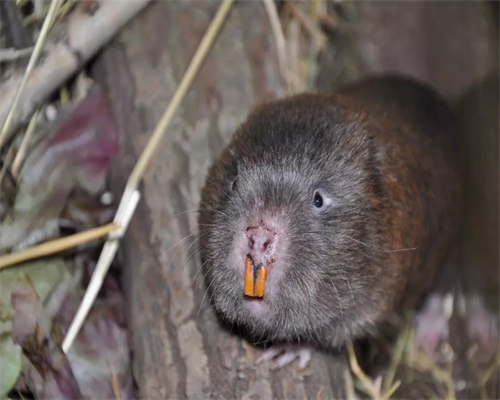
<point x="406" y="373"/>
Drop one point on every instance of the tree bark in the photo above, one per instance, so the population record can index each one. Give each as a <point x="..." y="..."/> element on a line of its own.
<point x="179" y="349"/>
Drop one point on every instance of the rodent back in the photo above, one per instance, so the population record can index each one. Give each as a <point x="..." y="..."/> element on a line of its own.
<point x="417" y="141"/>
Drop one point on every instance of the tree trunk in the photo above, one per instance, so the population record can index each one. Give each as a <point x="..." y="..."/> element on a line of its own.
<point x="179" y="349"/>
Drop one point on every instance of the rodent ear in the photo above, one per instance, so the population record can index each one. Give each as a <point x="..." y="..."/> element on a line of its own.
<point x="231" y="176"/>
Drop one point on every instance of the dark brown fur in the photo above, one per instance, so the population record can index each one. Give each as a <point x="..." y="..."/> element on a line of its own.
<point x="384" y="149"/>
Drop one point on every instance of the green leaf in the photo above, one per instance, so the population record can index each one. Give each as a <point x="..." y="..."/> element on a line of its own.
<point x="10" y="364"/>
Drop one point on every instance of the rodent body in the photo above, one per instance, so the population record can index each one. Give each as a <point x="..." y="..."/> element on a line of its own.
<point x="355" y="198"/>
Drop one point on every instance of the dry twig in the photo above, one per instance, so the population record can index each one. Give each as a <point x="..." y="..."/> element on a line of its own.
<point x="374" y="388"/>
<point x="14" y="54"/>
<point x="57" y="245"/>
<point x="426" y="364"/>
<point x="54" y="6"/>
<point x="85" y="36"/>
<point x="363" y="378"/>
<point x="397" y="355"/>
<point x="279" y="38"/>
<point x="349" y="385"/>
<point x="114" y="382"/>
<point x="312" y="29"/>
<point x="21" y="153"/>
<point x="489" y="372"/>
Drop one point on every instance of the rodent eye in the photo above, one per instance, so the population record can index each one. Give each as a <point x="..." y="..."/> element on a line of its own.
<point x="234" y="185"/>
<point x="318" y="200"/>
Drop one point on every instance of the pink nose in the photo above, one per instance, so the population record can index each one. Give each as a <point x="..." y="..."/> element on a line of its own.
<point x="261" y="243"/>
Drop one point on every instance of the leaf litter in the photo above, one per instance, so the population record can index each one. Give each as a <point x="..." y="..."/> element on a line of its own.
<point x="59" y="190"/>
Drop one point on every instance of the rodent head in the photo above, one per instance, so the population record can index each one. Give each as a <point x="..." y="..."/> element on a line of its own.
<point x="296" y="188"/>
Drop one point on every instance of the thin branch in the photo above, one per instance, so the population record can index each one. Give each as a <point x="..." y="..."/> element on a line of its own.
<point x="14" y="54"/>
<point x="363" y="378"/>
<point x="21" y="153"/>
<point x="54" y="6"/>
<point x="397" y="355"/>
<point x="391" y="391"/>
<point x="57" y="245"/>
<point x="349" y="385"/>
<point x="279" y="38"/>
<point x="83" y="38"/>
<point x="35" y="17"/>
<point x="114" y="382"/>
<point x="425" y="363"/>
<point x="312" y="29"/>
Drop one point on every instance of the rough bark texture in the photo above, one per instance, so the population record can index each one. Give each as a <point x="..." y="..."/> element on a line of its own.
<point x="178" y="347"/>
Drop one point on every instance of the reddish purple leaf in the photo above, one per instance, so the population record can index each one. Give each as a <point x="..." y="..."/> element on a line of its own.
<point x="49" y="375"/>
<point x="76" y="154"/>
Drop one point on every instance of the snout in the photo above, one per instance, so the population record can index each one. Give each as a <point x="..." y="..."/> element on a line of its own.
<point x="263" y="240"/>
<point x="261" y="243"/>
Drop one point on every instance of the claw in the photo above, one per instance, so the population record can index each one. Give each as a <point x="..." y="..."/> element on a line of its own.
<point x="432" y="325"/>
<point x="285" y="355"/>
<point x="482" y="324"/>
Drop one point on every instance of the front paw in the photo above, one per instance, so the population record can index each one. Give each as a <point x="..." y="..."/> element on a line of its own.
<point x="286" y="354"/>
<point x="432" y="324"/>
<point x="482" y="324"/>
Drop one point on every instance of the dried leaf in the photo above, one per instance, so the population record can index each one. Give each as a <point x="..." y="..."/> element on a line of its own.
<point x="32" y="330"/>
<point x="100" y="352"/>
<point x="47" y="276"/>
<point x="76" y="154"/>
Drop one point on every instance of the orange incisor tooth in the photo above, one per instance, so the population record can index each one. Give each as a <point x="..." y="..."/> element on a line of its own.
<point x="254" y="283"/>
<point x="260" y="282"/>
<point x="249" y="282"/>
